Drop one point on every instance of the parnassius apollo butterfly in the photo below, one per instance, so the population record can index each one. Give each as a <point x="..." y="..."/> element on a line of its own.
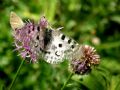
<point x="39" y="40"/>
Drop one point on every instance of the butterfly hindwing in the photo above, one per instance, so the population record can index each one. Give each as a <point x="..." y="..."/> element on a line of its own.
<point x="59" y="48"/>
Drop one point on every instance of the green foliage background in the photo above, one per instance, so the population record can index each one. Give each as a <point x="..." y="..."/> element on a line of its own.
<point x="93" y="22"/>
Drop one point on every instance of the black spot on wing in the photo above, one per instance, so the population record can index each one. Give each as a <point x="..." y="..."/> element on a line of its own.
<point x="63" y="37"/>
<point x="36" y="44"/>
<point x="48" y="52"/>
<point x="72" y="46"/>
<point x="38" y="28"/>
<point x="75" y="42"/>
<point x="41" y="49"/>
<point x="56" y="53"/>
<point x="60" y="45"/>
<point x="37" y="37"/>
<point x="69" y="41"/>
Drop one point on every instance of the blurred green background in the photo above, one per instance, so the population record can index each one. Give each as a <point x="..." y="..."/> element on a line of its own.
<point x="92" y="22"/>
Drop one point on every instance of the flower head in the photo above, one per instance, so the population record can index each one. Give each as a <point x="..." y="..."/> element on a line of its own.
<point x="26" y="36"/>
<point x="84" y="58"/>
<point x="23" y="39"/>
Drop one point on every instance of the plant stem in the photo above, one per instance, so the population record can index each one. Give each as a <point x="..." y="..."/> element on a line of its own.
<point x="67" y="81"/>
<point x="14" y="79"/>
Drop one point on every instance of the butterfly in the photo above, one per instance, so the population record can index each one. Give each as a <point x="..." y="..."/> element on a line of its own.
<point x="39" y="40"/>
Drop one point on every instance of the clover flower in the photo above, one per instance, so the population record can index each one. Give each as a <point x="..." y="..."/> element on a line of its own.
<point x="83" y="59"/>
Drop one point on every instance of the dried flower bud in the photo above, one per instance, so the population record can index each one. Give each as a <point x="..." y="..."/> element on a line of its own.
<point x="80" y="67"/>
<point x="83" y="59"/>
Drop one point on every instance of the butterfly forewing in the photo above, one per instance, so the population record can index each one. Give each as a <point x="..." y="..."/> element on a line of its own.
<point x="15" y="21"/>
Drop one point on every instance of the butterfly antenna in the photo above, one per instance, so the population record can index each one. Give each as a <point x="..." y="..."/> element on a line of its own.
<point x="60" y="28"/>
<point x="29" y="21"/>
<point x="26" y="21"/>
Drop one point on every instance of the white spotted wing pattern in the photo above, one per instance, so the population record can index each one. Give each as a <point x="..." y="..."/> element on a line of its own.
<point x="59" y="48"/>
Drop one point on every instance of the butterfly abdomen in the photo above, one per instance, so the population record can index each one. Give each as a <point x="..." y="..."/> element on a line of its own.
<point x="47" y="37"/>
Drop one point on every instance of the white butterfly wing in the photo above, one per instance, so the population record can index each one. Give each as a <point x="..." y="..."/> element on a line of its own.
<point x="60" y="48"/>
